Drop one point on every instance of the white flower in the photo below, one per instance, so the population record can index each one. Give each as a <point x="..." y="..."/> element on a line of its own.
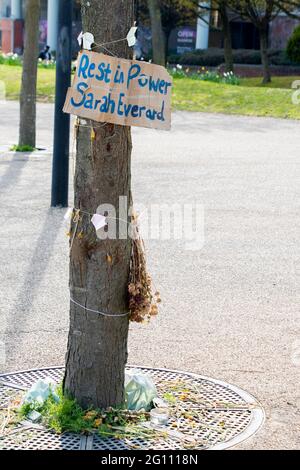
<point x="179" y="66"/>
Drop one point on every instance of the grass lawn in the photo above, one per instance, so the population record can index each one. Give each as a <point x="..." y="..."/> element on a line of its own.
<point x="11" y="76"/>
<point x="249" y="98"/>
<point x="277" y="82"/>
<point x="246" y="99"/>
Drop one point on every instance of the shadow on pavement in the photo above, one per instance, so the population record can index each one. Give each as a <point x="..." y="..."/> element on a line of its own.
<point x="19" y="315"/>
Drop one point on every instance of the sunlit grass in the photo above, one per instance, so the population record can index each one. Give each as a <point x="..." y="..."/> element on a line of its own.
<point x="11" y="76"/>
<point x="191" y="95"/>
<point x="277" y="82"/>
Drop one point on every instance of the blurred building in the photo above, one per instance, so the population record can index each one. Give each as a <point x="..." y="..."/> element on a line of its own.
<point x="198" y="35"/>
<point x="246" y="36"/>
<point x="12" y="24"/>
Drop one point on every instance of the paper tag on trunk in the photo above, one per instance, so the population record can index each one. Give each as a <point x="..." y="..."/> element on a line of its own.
<point x="99" y="221"/>
<point x="131" y="39"/>
<point x="68" y="214"/>
<point x="86" y="40"/>
<point x="80" y="38"/>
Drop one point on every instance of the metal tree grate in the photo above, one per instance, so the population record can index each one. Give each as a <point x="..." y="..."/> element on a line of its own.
<point x="223" y="415"/>
<point x="38" y="439"/>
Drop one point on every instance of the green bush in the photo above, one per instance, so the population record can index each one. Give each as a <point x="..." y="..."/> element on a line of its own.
<point x="279" y="57"/>
<point x="209" y="58"/>
<point x="246" y="56"/>
<point x="214" y="57"/>
<point x="293" y="46"/>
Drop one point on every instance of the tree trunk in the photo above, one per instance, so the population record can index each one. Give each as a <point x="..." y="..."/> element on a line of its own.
<point x="158" y="37"/>
<point x="99" y="270"/>
<point x="227" y="37"/>
<point x="29" y="75"/>
<point x="263" y="32"/>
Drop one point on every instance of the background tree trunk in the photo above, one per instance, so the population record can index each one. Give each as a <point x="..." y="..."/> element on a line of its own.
<point x="158" y="37"/>
<point x="29" y="75"/>
<point x="263" y="32"/>
<point x="227" y="36"/>
<point x="99" y="270"/>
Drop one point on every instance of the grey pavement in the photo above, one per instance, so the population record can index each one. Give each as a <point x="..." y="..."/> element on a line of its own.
<point x="230" y="310"/>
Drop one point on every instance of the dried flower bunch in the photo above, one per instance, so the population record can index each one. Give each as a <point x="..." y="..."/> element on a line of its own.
<point x="142" y="301"/>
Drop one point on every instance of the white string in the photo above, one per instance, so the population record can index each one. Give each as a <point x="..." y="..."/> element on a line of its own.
<point x="107" y="217"/>
<point x="107" y="50"/>
<point x="98" y="312"/>
<point x="110" y="42"/>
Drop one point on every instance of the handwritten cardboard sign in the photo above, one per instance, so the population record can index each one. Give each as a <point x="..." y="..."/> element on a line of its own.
<point x="120" y="91"/>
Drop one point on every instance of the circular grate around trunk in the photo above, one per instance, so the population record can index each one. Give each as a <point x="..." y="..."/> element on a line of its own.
<point x="222" y="415"/>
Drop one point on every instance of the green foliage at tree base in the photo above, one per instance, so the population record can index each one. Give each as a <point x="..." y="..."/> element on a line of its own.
<point x="66" y="415"/>
<point x="22" y="148"/>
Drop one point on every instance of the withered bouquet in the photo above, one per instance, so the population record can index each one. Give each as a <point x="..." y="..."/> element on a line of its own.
<point x="142" y="301"/>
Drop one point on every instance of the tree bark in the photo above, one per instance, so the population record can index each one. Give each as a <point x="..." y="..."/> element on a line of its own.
<point x="158" y="37"/>
<point x="263" y="32"/>
<point x="227" y="37"/>
<point x="99" y="269"/>
<point x="27" y="132"/>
